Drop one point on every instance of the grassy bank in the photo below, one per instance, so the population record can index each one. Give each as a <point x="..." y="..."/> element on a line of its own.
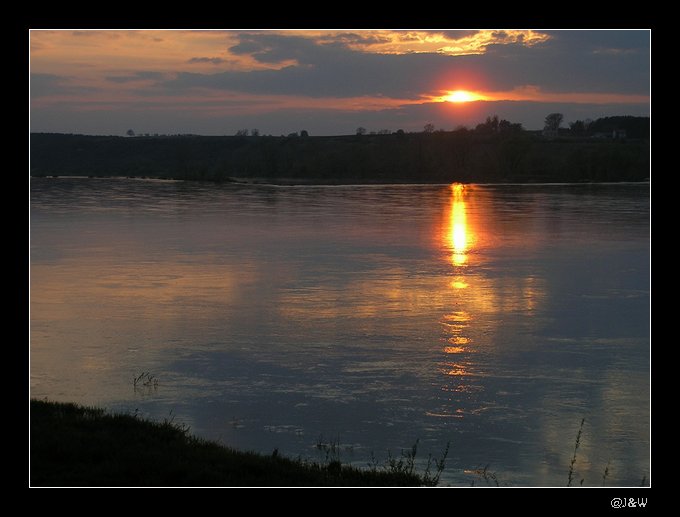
<point x="78" y="446"/>
<point x="452" y="156"/>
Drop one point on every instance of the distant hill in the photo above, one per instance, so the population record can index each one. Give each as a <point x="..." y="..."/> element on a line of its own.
<point x="438" y="157"/>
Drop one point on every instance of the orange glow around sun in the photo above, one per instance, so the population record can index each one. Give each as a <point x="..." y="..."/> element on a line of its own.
<point x="459" y="96"/>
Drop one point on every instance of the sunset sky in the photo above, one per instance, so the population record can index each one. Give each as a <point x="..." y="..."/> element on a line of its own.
<point x="329" y="81"/>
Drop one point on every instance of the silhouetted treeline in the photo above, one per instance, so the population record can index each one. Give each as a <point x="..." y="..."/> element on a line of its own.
<point x="635" y="127"/>
<point x="441" y="156"/>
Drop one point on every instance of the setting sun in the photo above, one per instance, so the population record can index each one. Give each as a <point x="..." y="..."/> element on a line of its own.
<point x="462" y="96"/>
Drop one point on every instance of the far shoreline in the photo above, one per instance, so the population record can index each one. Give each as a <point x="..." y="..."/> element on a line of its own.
<point x="302" y="183"/>
<point x="410" y="158"/>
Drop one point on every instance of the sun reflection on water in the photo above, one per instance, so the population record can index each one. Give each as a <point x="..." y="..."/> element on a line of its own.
<point x="479" y="305"/>
<point x="458" y="239"/>
<point x="457" y="341"/>
<point x="458" y="234"/>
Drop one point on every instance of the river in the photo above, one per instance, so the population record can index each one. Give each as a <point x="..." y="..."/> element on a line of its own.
<point x="491" y="317"/>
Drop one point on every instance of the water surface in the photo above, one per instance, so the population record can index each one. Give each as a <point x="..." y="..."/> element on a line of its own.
<point x="491" y="317"/>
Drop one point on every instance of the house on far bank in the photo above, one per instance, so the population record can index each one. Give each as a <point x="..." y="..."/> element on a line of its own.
<point x="615" y="134"/>
<point x="619" y="134"/>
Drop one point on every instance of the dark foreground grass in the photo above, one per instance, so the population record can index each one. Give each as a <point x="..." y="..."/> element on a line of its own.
<point x="79" y="446"/>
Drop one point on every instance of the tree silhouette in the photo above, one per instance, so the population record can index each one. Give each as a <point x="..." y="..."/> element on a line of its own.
<point x="491" y="125"/>
<point x="429" y="128"/>
<point x="553" y="121"/>
<point x="505" y="126"/>
<point x="577" y="127"/>
<point x="304" y="133"/>
<point x="130" y="132"/>
<point x="361" y="131"/>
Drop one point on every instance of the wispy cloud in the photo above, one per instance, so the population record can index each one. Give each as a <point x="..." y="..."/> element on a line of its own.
<point x="136" y="77"/>
<point x="46" y="85"/>
<point x="211" y="60"/>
